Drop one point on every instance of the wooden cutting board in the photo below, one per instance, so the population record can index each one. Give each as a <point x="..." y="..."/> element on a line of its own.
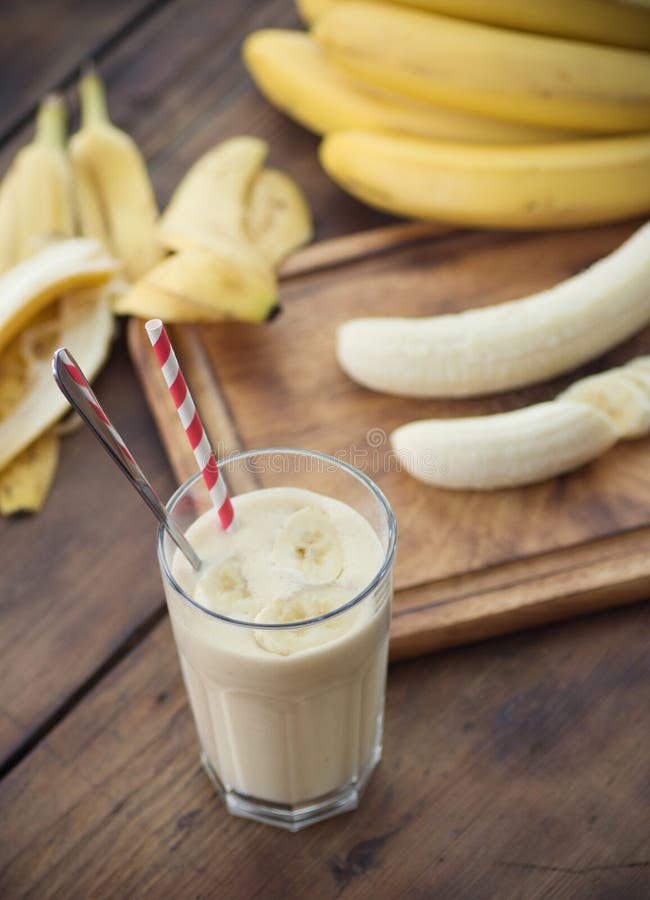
<point x="469" y="565"/>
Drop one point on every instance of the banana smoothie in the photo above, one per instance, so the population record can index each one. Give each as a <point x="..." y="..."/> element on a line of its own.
<point x="285" y="715"/>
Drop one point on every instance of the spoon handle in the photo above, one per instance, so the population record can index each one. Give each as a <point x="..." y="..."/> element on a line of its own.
<point x="74" y="386"/>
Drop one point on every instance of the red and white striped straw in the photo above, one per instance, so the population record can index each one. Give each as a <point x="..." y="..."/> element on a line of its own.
<point x="203" y="452"/>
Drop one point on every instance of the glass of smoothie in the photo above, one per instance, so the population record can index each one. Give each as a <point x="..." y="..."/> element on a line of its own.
<point x="283" y="634"/>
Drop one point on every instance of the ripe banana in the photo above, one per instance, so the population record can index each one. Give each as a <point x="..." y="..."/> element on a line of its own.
<point x="86" y="329"/>
<point x="61" y="267"/>
<point x="534" y="186"/>
<point x="600" y="21"/>
<point x="199" y="285"/>
<point x="36" y="194"/>
<point x="503" y="450"/>
<point x="293" y="73"/>
<point x="309" y="544"/>
<point x="305" y="604"/>
<point x="277" y="218"/>
<point x="114" y="194"/>
<point x="508" y="74"/>
<point x="207" y="208"/>
<point x="509" y="345"/>
<point x="530" y="444"/>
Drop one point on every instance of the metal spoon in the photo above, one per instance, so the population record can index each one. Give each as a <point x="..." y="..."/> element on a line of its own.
<point x="74" y="386"/>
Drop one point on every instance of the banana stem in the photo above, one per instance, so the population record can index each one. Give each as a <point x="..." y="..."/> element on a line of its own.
<point x="51" y="121"/>
<point x="93" y="99"/>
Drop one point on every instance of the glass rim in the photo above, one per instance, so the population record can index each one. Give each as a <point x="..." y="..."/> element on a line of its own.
<point x="301" y="623"/>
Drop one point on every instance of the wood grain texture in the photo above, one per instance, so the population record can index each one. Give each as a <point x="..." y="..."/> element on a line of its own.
<point x="78" y="579"/>
<point x="174" y="111"/>
<point x="466" y="568"/>
<point x="42" y="48"/>
<point x="513" y="769"/>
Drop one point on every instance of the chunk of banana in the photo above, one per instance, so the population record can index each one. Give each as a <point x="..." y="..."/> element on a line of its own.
<point x="306" y="604"/>
<point x="309" y="544"/>
<point x="224" y="589"/>
<point x="623" y="401"/>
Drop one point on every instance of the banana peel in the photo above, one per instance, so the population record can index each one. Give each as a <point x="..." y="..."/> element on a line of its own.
<point x="207" y="207"/>
<point x="198" y="285"/>
<point x="34" y="283"/>
<point x="115" y="197"/>
<point x="277" y="217"/>
<point x="30" y="402"/>
<point x="26" y="481"/>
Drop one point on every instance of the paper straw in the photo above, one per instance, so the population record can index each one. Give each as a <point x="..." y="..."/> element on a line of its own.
<point x="203" y="452"/>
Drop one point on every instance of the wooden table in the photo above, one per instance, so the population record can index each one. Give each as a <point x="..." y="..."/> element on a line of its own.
<point x="517" y="768"/>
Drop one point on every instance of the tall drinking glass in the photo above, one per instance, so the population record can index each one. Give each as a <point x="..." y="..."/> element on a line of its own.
<point x="287" y="738"/>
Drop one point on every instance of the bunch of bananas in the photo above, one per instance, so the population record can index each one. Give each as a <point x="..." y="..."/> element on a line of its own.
<point x="211" y="256"/>
<point x="496" y="114"/>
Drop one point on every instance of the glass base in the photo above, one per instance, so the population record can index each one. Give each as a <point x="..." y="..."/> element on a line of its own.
<point x="299" y="816"/>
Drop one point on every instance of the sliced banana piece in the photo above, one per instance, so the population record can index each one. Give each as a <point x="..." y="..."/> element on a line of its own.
<point x="616" y="394"/>
<point x="224" y="589"/>
<point x="309" y="544"/>
<point x="504" y="450"/>
<point x="306" y="604"/>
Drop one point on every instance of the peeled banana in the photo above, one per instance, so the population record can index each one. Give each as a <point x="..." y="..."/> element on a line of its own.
<point x="508" y="74"/>
<point x="293" y="73"/>
<point x="277" y="216"/>
<point x="600" y="21"/>
<point x="61" y="267"/>
<point x="530" y="444"/>
<point x="200" y="285"/>
<point x="503" y="450"/>
<point x="533" y="186"/>
<point x="115" y="198"/>
<point x="509" y="345"/>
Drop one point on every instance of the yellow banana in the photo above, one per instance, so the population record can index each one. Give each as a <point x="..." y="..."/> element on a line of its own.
<point x="600" y="21"/>
<point x="115" y="197"/>
<point x="508" y="74"/>
<point x="293" y="73"/>
<point x="530" y="186"/>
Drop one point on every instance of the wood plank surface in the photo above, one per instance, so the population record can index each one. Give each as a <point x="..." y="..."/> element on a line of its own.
<point x="466" y="568"/>
<point x="41" y="49"/>
<point x="78" y="580"/>
<point x="175" y="111"/>
<point x="513" y="769"/>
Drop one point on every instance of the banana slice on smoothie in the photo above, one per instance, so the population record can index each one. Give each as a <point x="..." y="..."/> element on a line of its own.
<point x="305" y="604"/>
<point x="224" y="589"/>
<point x="309" y="544"/>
